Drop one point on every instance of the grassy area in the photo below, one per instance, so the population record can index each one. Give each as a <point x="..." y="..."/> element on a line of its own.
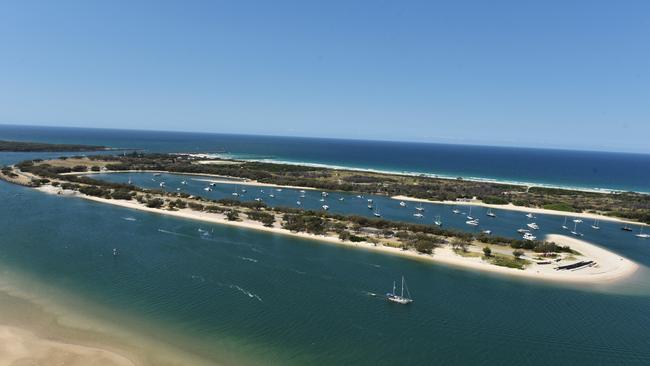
<point x="560" y="207"/>
<point x="508" y="261"/>
<point x="467" y="254"/>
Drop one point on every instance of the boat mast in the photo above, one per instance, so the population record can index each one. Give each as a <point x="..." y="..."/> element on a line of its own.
<point x="402" y="286"/>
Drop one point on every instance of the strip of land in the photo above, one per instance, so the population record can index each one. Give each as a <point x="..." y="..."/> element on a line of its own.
<point x="24" y="146"/>
<point x="607" y="266"/>
<point x="535" y="210"/>
<point x="528" y="257"/>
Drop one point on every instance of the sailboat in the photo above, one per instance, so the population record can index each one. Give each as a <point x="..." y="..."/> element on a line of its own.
<point x="642" y="235"/>
<point x="490" y="213"/>
<point x="595" y="225"/>
<point x="564" y="225"/>
<point x="400" y="299"/>
<point x="402" y="203"/>
<point x="575" y="229"/>
<point x="420" y="208"/>
<point x="129" y="182"/>
<point x="626" y="228"/>
<point x="438" y="221"/>
<point x="376" y="212"/>
<point x="455" y="211"/>
<point x="469" y="216"/>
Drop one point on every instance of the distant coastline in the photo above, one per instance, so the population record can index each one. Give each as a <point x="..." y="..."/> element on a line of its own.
<point x="25" y="146"/>
<point x="239" y="157"/>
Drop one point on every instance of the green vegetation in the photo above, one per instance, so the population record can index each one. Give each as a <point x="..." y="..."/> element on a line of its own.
<point x="487" y="251"/>
<point x="21" y="146"/>
<point x="560" y="207"/>
<point x="265" y="218"/>
<point x="504" y="261"/>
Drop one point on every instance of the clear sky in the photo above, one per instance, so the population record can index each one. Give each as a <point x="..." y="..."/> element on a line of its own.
<point x="572" y="74"/>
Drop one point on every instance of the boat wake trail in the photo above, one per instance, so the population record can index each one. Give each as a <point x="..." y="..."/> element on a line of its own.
<point x="246" y="292"/>
<point x="248" y="259"/>
<point x="129" y="218"/>
<point x="368" y="293"/>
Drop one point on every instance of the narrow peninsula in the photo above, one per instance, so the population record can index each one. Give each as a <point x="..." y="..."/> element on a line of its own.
<point x="556" y="257"/>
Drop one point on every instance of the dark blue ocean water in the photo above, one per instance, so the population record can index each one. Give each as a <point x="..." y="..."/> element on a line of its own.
<point x="583" y="169"/>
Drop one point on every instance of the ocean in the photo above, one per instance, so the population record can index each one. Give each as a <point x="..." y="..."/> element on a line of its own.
<point x="557" y="168"/>
<point x="233" y="296"/>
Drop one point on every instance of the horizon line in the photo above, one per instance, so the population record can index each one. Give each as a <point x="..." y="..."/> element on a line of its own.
<point x="476" y="144"/>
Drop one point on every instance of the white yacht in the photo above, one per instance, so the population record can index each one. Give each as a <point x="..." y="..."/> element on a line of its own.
<point x="490" y="213"/>
<point x="455" y="211"/>
<point x="595" y="225"/>
<point x="326" y="207"/>
<point x="418" y="215"/>
<point x="472" y="222"/>
<point x="207" y="189"/>
<point x="402" y="203"/>
<point x="298" y="203"/>
<point x="577" y="221"/>
<point x="437" y="221"/>
<point x="529" y="237"/>
<point x="469" y="215"/>
<point x="400" y="299"/>
<point x="564" y="225"/>
<point x="575" y="229"/>
<point x="420" y="208"/>
<point x="487" y="232"/>
<point x="183" y="182"/>
<point x="530" y="215"/>
<point x="533" y="226"/>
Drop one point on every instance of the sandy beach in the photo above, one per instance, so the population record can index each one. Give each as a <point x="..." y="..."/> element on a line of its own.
<point x="610" y="268"/>
<point x="19" y="347"/>
<point x="511" y="207"/>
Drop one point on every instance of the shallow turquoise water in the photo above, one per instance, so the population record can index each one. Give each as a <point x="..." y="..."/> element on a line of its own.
<point x="232" y="294"/>
<point x="282" y="300"/>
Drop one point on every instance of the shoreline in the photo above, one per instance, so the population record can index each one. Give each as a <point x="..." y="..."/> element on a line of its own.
<point x="442" y="255"/>
<point x="20" y="346"/>
<point x="511" y="207"/>
<point x="412" y="174"/>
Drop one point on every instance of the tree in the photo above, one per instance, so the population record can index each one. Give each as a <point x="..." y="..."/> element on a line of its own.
<point x="460" y="243"/>
<point x="232" y="215"/>
<point x="425" y="246"/>
<point x="487" y="251"/>
<point x="517" y="253"/>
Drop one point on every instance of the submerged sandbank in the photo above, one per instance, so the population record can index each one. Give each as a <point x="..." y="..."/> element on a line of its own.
<point x="21" y="347"/>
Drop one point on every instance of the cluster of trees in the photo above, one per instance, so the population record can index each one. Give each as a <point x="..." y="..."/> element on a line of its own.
<point x="268" y="219"/>
<point x="305" y="223"/>
<point x="629" y="205"/>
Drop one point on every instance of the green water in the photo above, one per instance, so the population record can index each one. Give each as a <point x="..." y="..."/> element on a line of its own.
<point x="237" y="296"/>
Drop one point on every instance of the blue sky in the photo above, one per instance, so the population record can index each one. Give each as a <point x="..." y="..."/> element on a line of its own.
<point x="570" y="74"/>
